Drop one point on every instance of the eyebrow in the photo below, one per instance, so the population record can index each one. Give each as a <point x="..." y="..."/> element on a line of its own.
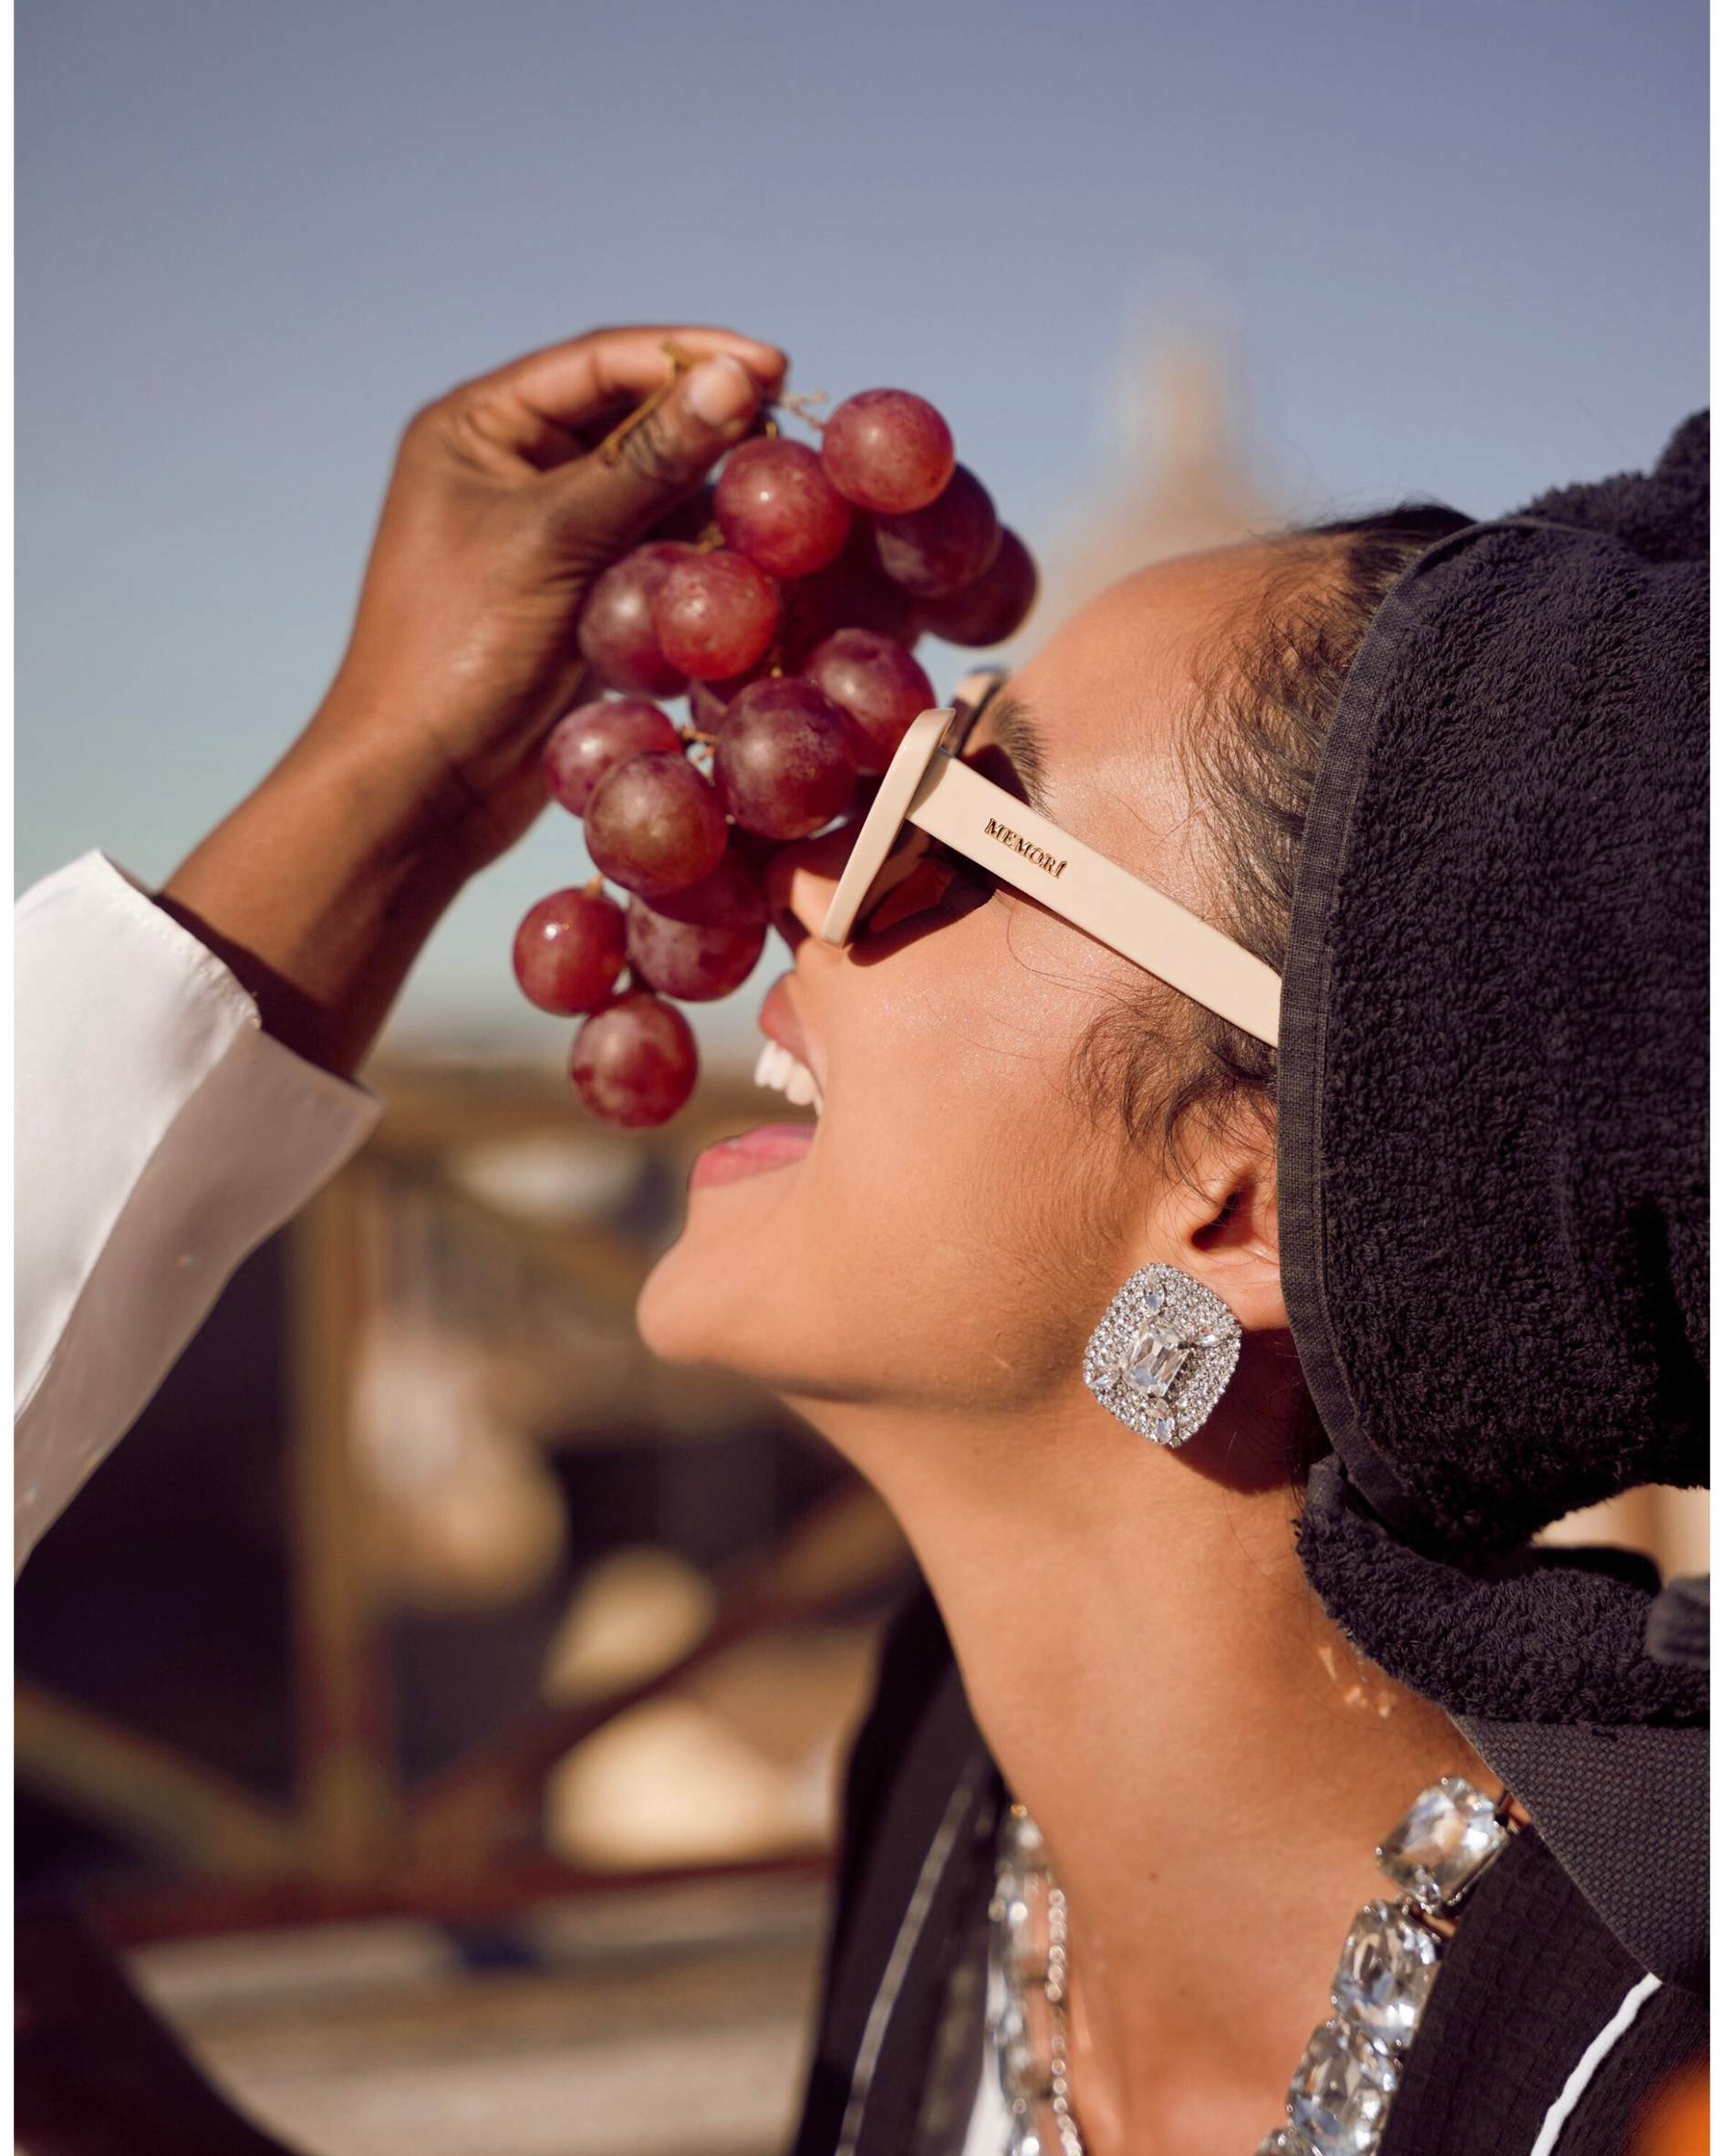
<point x="1019" y="740"/>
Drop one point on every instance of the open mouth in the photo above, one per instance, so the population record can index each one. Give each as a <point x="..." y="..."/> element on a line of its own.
<point x="782" y="1070"/>
<point x="754" y="1152"/>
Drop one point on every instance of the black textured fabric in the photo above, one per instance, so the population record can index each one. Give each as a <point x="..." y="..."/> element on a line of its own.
<point x="1492" y="1100"/>
<point x="918" y="1752"/>
<point x="1493" y="1079"/>
<point x="1625" y="1810"/>
<point x="1661" y="516"/>
<point x="1671" y="2031"/>
<point x="1533" y="1636"/>
<point x="916" y="1661"/>
<point x="1679" y="1623"/>
<point x="1528" y="1980"/>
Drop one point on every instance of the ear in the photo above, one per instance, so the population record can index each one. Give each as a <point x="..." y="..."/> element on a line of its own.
<point x="1217" y="1218"/>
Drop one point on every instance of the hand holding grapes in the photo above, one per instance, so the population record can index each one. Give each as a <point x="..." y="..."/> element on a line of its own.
<point x="510" y="496"/>
<point x="788" y="620"/>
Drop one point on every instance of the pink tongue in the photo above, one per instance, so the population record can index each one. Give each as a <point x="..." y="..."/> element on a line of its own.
<point x="773" y="1145"/>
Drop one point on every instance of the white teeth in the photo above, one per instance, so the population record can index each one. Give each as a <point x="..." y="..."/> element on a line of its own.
<point x="778" y="1068"/>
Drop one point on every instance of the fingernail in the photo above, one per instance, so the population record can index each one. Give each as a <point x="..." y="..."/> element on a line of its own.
<point x="721" y="390"/>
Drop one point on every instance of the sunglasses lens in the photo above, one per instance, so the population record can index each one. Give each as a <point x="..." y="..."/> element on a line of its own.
<point x="935" y="886"/>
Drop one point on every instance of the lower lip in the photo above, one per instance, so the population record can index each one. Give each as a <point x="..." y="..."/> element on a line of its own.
<point x="732" y="1160"/>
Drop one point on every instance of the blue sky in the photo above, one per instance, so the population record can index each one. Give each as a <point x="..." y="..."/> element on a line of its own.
<point x="1463" y="249"/>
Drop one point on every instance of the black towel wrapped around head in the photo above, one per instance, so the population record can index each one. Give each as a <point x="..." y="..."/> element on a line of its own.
<point x="1492" y="1101"/>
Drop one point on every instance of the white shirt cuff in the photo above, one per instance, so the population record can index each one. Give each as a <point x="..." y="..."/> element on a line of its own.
<point x="160" y="1135"/>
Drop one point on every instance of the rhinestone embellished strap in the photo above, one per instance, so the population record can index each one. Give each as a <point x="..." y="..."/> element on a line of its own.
<point x="1341" y="2094"/>
<point x="1338" y="2100"/>
<point x="1027" y="1988"/>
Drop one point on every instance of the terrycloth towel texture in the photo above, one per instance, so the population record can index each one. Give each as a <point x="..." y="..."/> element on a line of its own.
<point x="1553" y="1640"/>
<point x="1493" y="1096"/>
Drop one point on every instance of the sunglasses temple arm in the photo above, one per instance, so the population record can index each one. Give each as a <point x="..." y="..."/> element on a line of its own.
<point x="954" y="804"/>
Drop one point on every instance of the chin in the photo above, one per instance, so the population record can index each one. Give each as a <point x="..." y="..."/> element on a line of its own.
<point x="763" y="1283"/>
<point x="674" y="1311"/>
<point x="721" y="1295"/>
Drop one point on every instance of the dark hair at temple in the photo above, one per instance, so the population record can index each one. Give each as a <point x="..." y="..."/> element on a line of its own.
<point x="1253" y="747"/>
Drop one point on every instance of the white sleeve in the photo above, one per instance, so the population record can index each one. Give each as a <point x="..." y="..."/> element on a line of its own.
<point x="160" y="1135"/>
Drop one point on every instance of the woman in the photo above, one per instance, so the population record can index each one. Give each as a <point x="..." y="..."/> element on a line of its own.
<point x="1015" y="1123"/>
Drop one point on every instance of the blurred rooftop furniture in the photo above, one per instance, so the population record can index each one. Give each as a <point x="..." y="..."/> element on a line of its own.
<point x="657" y="2020"/>
<point x="461" y="1310"/>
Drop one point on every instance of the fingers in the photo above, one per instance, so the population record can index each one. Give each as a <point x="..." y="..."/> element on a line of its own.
<point x="605" y="500"/>
<point x="534" y="406"/>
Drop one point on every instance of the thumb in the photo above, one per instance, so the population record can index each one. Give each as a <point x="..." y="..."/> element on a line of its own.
<point x="605" y="499"/>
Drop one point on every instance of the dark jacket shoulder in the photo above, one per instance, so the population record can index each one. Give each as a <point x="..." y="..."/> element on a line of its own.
<point x="1533" y="1986"/>
<point x="1535" y="2003"/>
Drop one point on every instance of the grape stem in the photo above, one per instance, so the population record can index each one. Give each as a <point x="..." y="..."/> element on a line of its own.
<point x="610" y="448"/>
<point x="694" y="735"/>
<point x="594" y="887"/>
<point x="799" y="400"/>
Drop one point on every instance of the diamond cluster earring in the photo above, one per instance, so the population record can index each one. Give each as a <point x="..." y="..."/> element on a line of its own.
<point x="1162" y="1355"/>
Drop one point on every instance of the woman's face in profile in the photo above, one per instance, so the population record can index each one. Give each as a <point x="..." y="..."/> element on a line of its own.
<point x="966" y="1207"/>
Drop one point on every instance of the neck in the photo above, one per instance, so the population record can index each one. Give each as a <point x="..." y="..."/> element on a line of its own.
<point x="1211" y="1764"/>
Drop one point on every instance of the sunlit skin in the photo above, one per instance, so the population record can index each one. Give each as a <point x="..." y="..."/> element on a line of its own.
<point x="1209" y="1761"/>
<point x="1212" y="1765"/>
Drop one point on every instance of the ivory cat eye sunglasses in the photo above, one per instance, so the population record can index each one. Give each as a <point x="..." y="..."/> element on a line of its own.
<point x="929" y="786"/>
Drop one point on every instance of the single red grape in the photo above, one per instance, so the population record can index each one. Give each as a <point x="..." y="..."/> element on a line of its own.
<point x="951" y="543"/>
<point x="784" y="764"/>
<point x="994" y="607"/>
<point x="703" y="942"/>
<point x="634" y="1063"/>
<point x="775" y="505"/>
<point x="570" y="951"/>
<point x="654" y="825"/>
<point x="715" y="615"/>
<point x="887" y="451"/>
<point x="878" y="687"/>
<point x="582" y="746"/>
<point x="616" y="633"/>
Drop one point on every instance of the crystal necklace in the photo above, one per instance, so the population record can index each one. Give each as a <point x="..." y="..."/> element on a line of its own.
<point x="1338" y="2100"/>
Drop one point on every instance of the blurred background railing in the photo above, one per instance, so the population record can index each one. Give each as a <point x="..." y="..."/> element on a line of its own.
<point x="424" y="1592"/>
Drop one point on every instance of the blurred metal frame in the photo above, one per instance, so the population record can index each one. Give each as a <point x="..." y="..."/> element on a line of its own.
<point x="354" y="1840"/>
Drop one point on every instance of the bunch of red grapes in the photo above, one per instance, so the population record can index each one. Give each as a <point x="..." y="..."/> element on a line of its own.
<point x="786" y="602"/>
